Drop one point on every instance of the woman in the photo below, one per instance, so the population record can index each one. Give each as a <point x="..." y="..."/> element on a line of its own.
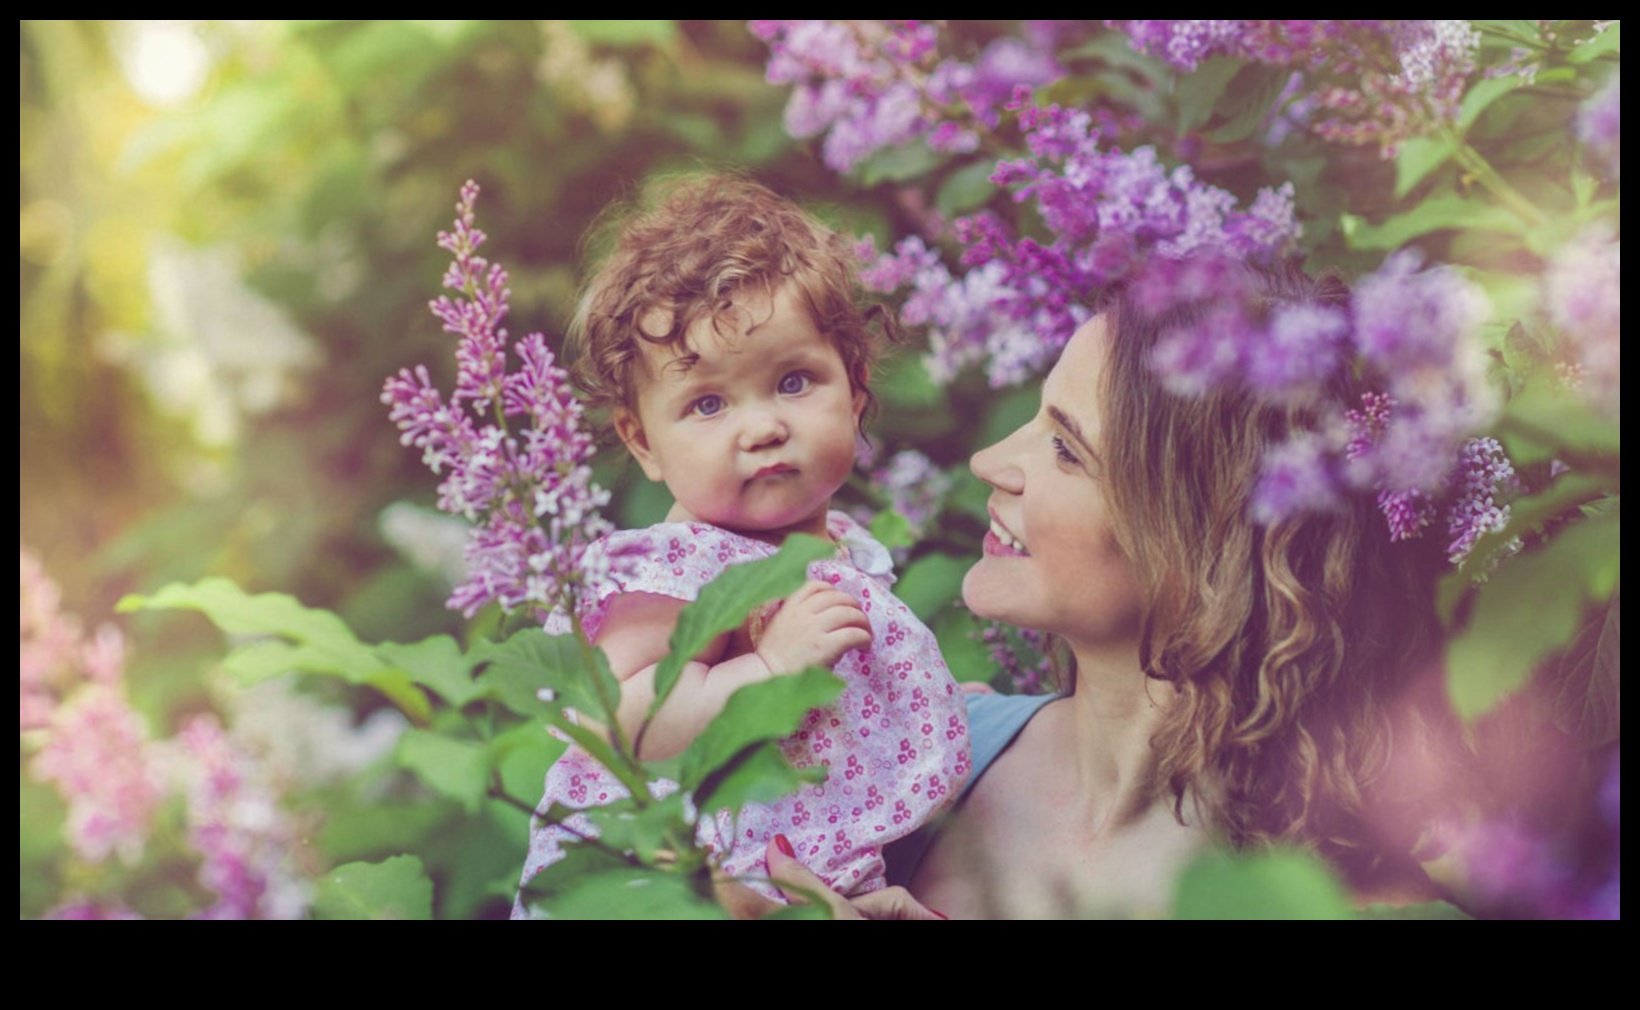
<point x="1225" y="682"/>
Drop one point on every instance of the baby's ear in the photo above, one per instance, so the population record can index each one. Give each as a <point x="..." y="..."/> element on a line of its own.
<point x="862" y="383"/>
<point x="631" y="432"/>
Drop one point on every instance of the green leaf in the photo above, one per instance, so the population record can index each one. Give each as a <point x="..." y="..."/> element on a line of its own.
<point x="1532" y="605"/>
<point x="458" y="769"/>
<point x="769" y="710"/>
<point x="395" y="888"/>
<point x="627" y="33"/>
<point x="1419" y="156"/>
<point x="1486" y="91"/>
<point x="724" y="603"/>
<point x="521" y="757"/>
<point x="931" y="583"/>
<point x="1541" y="422"/>
<point x="1200" y="90"/>
<point x="1607" y="42"/>
<point x="438" y="663"/>
<point x="1271" y="885"/>
<point x="642" y="829"/>
<point x="1248" y="103"/>
<point x="1438" y="213"/>
<point x="898" y="164"/>
<point x="758" y="774"/>
<point x="1588" y="700"/>
<point x="532" y="659"/>
<point x="903" y="381"/>
<point x="632" y="894"/>
<point x="892" y="529"/>
<point x="967" y="189"/>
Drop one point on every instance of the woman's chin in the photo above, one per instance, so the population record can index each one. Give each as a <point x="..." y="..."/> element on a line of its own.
<point x="987" y="593"/>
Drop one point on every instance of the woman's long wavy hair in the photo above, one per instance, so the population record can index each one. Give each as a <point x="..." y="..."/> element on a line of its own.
<point x="1292" y="646"/>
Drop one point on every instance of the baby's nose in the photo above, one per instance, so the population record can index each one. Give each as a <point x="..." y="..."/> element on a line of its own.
<point x="762" y="427"/>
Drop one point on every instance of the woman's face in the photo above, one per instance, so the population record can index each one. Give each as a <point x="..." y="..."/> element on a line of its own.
<point x="1051" y="560"/>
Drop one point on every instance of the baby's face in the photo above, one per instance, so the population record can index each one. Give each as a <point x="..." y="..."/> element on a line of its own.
<point x="758" y="432"/>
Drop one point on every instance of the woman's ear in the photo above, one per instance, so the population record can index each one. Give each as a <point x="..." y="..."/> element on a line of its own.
<point x="630" y="430"/>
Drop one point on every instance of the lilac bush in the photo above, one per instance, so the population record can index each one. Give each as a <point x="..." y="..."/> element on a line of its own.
<point x="509" y="444"/>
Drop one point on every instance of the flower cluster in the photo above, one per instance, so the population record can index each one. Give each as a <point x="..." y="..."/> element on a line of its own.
<point x="1021" y="655"/>
<point x="1582" y="292"/>
<point x="867" y="85"/>
<point x="1599" y="126"/>
<point x="95" y="749"/>
<point x="1108" y="210"/>
<point x="914" y="487"/>
<point x="236" y="824"/>
<point x="509" y="444"/>
<point x="1409" y="443"/>
<point x="1365" y="81"/>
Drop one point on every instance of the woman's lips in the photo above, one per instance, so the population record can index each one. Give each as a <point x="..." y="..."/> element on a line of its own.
<point x="996" y="547"/>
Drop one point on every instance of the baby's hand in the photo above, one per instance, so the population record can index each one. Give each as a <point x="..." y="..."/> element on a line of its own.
<point x="813" y="627"/>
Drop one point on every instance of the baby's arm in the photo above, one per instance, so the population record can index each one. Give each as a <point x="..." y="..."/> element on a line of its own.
<point x="814" y="626"/>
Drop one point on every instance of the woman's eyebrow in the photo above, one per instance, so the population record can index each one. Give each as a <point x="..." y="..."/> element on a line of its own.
<point x="1065" y="421"/>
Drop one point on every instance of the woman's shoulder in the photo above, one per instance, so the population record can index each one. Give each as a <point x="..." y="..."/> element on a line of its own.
<point x="994" y="721"/>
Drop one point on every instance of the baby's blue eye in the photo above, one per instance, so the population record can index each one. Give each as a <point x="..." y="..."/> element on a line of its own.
<point x="706" y="406"/>
<point x="794" y="382"/>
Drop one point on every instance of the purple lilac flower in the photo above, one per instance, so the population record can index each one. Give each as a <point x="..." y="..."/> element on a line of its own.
<point x="867" y="85"/>
<point x="1297" y="476"/>
<point x="509" y="444"/>
<point x="1417" y="327"/>
<point x="1599" y="126"/>
<point x="1369" y="82"/>
<point x="237" y="826"/>
<point x="1022" y="656"/>
<point x="914" y="487"/>
<point x="1582" y="291"/>
<point x="1484" y="475"/>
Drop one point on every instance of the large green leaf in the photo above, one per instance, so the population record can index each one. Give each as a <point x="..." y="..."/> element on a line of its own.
<point x="438" y="663"/>
<point x="1270" y="885"/>
<point x="643" y="829"/>
<point x="1419" y="156"/>
<point x="931" y="583"/>
<point x="1248" y="103"/>
<point x="967" y="189"/>
<point x="1588" y="696"/>
<point x="1530" y="607"/>
<point x="899" y="163"/>
<point x="892" y="529"/>
<point x="459" y="769"/>
<point x="320" y="642"/>
<point x="758" y="774"/>
<point x="1201" y="90"/>
<point x="633" y="894"/>
<point x="768" y="710"/>
<point x="724" y="603"/>
<point x="1481" y="96"/>
<point x="1606" y="43"/>
<point x="521" y="757"/>
<point x="395" y="888"/>
<point x="1438" y="213"/>
<point x="530" y="660"/>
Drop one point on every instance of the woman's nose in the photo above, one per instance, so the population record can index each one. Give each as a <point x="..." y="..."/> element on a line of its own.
<point x="996" y="465"/>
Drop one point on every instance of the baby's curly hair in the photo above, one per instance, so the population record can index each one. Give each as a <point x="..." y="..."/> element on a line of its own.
<point x="682" y="251"/>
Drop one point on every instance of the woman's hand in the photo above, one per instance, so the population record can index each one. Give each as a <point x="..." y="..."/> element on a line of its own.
<point x="799" y="883"/>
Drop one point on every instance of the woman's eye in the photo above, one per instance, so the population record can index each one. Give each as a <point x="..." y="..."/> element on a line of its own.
<point x="794" y="383"/>
<point x="1064" y="453"/>
<point x="706" y="406"/>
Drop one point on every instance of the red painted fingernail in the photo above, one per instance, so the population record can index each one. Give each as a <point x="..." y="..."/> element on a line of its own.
<point x="785" y="846"/>
<point x="938" y="912"/>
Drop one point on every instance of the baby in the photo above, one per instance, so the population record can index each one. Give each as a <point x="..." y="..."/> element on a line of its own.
<point x="725" y="338"/>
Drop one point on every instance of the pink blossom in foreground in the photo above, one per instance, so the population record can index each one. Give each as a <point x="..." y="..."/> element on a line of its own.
<point x="236" y="824"/>
<point x="99" y="757"/>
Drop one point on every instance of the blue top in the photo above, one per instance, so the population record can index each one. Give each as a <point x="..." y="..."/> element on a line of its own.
<point x="994" y="720"/>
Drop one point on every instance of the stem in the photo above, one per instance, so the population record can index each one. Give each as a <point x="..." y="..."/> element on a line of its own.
<point x="497" y="793"/>
<point x="1499" y="187"/>
<point x="1525" y="40"/>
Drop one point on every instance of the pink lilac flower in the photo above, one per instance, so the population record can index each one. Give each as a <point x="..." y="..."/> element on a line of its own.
<point x="1582" y="291"/>
<point x="509" y="444"/>
<point x="1599" y="126"/>
<point x="236" y="824"/>
<point x="98" y="756"/>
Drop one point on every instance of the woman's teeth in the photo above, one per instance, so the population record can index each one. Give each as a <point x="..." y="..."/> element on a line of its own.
<point x="1008" y="539"/>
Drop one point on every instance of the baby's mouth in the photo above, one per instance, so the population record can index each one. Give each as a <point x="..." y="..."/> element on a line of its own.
<point x="774" y="470"/>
